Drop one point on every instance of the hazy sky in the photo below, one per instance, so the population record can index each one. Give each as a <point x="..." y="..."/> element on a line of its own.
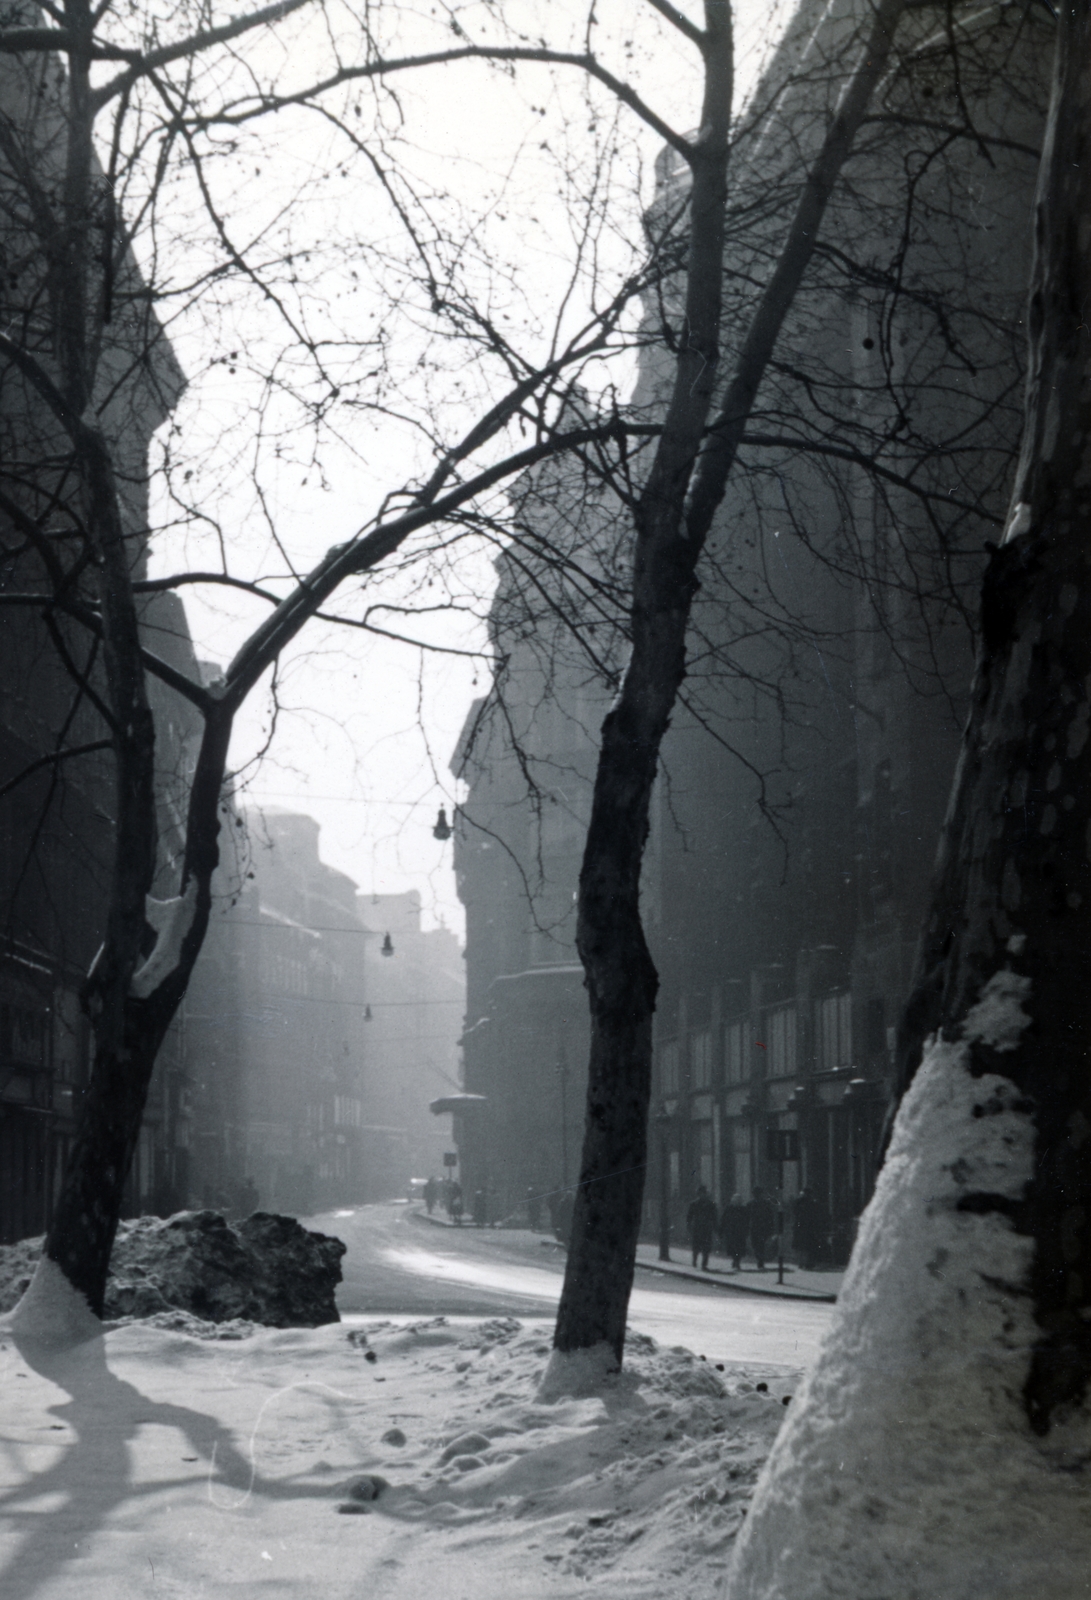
<point x="367" y="727"/>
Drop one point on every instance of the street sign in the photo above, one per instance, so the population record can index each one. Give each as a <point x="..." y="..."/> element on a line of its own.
<point x="450" y="1158"/>
<point x="782" y="1144"/>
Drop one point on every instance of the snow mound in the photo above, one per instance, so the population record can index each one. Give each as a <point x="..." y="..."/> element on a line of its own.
<point x="578" y="1372"/>
<point x="17" y="1264"/>
<point x="634" y="1477"/>
<point x="267" y="1270"/>
<point x="52" y="1311"/>
<point x="175" y="1321"/>
<point x="291" y="1462"/>
<point x="908" y="1466"/>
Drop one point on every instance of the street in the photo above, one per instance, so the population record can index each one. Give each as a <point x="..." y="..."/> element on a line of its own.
<point x="400" y="1265"/>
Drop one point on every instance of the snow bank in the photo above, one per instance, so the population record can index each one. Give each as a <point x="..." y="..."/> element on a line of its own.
<point x="387" y="1459"/>
<point x="52" y="1311"/>
<point x="578" y="1372"/>
<point x="267" y="1269"/>
<point x="907" y="1467"/>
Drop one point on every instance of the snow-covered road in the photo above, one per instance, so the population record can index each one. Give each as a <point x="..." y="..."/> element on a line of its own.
<point x="401" y="1267"/>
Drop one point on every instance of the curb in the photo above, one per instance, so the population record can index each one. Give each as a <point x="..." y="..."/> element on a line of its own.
<point x="669" y="1270"/>
<point x="666" y="1269"/>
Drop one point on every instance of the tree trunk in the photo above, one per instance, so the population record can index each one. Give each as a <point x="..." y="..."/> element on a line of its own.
<point x="685" y="486"/>
<point x="81" y="1235"/>
<point x="948" y="1413"/>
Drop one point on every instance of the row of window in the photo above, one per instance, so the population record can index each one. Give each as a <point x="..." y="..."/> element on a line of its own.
<point x="773" y="1055"/>
<point x="347" y="1113"/>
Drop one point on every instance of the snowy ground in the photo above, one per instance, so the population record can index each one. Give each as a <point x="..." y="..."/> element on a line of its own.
<point x="148" y="1462"/>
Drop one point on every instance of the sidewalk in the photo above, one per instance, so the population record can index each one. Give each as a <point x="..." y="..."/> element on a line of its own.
<point x="797" y="1285"/>
<point x="822" y="1286"/>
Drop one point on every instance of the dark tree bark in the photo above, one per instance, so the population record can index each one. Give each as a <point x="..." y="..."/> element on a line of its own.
<point x="1013" y="886"/>
<point x="685" y="486"/>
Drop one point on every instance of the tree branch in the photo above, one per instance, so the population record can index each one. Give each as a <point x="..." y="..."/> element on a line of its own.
<point x="628" y="96"/>
<point x="678" y="20"/>
<point x="52" y="761"/>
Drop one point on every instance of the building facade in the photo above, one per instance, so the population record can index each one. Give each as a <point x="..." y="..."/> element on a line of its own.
<point x="805" y="774"/>
<point x="56" y="816"/>
<point x="416" y="989"/>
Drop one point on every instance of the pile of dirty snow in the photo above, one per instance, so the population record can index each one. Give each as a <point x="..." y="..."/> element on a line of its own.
<point x="266" y="1270"/>
<point x="390" y="1459"/>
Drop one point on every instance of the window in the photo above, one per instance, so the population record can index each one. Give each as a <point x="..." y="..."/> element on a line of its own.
<point x="703" y="1155"/>
<point x="669" y="1075"/>
<point x="701" y="1060"/>
<point x="738" y="1052"/>
<point x="781" y="1044"/>
<point x="833" y="1031"/>
<point x="741" y="1156"/>
<point x="346" y="1111"/>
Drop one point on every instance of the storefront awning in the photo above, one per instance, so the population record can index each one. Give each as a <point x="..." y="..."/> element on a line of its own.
<point x="456" y="1103"/>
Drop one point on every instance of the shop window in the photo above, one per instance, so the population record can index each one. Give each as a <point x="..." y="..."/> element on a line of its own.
<point x="833" y="1031"/>
<point x="741" y="1155"/>
<point x="703" y="1164"/>
<point x="738" y="1053"/>
<point x="701" y="1060"/>
<point x="670" y="1078"/>
<point x="781" y="1043"/>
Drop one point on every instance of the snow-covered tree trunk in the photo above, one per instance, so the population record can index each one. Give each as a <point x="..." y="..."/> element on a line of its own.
<point x="940" y="1447"/>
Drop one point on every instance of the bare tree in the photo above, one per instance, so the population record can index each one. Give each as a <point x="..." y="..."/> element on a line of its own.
<point x="702" y="432"/>
<point x="163" y="113"/>
<point x="76" y="537"/>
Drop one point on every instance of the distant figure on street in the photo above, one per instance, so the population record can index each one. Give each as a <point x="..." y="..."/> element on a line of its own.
<point x="562" y="1224"/>
<point x="479" y="1208"/>
<point x="808" y="1228"/>
<point x="454" y="1203"/>
<point x="763" y="1223"/>
<point x="733" y="1228"/>
<point x="249" y="1199"/>
<point x="701" y="1222"/>
<point x="430" y="1190"/>
<point x="534" y="1207"/>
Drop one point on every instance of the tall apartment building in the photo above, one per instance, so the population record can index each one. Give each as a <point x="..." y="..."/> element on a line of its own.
<point x="56" y="820"/>
<point x="806" y="771"/>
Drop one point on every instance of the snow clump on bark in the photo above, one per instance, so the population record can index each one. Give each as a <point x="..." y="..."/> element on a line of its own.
<point x="907" y="1465"/>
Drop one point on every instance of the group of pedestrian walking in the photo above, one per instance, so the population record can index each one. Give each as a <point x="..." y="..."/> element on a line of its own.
<point x="448" y="1192"/>
<point x="757" y="1222"/>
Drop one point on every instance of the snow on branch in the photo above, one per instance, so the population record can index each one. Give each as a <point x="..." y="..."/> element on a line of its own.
<point x="172" y="920"/>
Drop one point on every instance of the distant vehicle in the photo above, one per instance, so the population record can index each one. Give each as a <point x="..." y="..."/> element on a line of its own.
<point x="416" y="1189"/>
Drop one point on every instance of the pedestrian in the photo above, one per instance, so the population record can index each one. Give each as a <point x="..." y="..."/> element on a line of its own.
<point x="534" y="1208"/>
<point x="430" y="1189"/>
<point x="454" y="1203"/>
<point x="763" y="1222"/>
<point x="808" y="1228"/>
<point x="733" y="1227"/>
<point x="701" y="1222"/>
<point x="248" y="1197"/>
<point x="479" y="1208"/>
